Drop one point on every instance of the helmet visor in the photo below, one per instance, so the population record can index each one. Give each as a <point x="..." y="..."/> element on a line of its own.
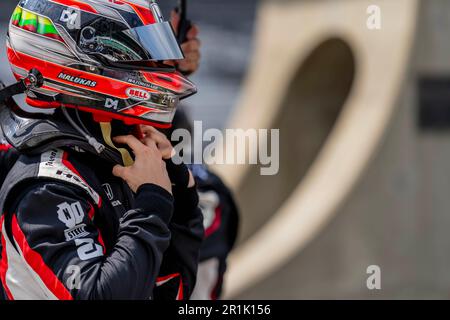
<point x="157" y="40"/>
<point x="152" y="42"/>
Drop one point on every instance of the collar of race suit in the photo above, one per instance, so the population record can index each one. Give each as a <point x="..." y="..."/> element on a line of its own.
<point x="36" y="133"/>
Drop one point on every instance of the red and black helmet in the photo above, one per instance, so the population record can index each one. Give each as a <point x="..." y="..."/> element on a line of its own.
<point x="105" y="57"/>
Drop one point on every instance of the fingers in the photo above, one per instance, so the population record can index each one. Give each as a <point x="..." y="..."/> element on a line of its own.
<point x="131" y="141"/>
<point x="188" y="66"/>
<point x="191" y="48"/>
<point x="170" y="62"/>
<point x="135" y="145"/>
<point x="193" y="32"/>
<point x="175" y="21"/>
<point x="150" y="143"/>
<point x="155" y="138"/>
<point x="147" y="129"/>
<point x="119" y="171"/>
<point x="191" y="45"/>
<point x="148" y="166"/>
<point x="153" y="134"/>
<point x="162" y="142"/>
<point x="192" y="56"/>
<point x="191" y="180"/>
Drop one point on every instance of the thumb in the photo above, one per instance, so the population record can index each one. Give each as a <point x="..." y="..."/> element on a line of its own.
<point x="119" y="171"/>
<point x="175" y="20"/>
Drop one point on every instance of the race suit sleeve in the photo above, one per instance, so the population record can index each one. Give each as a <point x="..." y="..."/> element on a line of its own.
<point x="52" y="227"/>
<point x="180" y="262"/>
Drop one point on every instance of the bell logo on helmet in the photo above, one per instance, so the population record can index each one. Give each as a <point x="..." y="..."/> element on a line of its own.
<point x="138" y="94"/>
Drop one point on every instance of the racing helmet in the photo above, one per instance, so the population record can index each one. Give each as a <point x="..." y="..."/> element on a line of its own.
<point x="106" y="57"/>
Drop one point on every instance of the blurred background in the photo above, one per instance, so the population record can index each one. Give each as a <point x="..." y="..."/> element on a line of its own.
<point x="364" y="119"/>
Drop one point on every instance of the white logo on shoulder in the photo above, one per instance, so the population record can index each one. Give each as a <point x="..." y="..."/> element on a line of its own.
<point x="72" y="216"/>
<point x="52" y="166"/>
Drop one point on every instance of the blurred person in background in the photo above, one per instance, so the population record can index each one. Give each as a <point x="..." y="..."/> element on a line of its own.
<point x="219" y="209"/>
<point x="220" y="220"/>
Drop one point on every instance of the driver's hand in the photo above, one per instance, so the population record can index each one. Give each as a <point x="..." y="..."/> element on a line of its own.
<point x="148" y="166"/>
<point x="152" y="135"/>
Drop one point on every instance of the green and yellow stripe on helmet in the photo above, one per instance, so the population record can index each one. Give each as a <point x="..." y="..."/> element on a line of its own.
<point x="28" y="21"/>
<point x="32" y="22"/>
<point x="15" y="19"/>
<point x="46" y="28"/>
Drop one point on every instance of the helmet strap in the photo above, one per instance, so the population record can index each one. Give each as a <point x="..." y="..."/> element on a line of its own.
<point x="33" y="80"/>
<point x="83" y="131"/>
<point x="106" y="132"/>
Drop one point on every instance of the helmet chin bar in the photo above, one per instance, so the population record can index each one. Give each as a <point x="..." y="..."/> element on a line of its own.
<point x="33" y="80"/>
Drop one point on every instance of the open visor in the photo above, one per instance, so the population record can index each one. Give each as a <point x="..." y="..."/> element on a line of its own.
<point x="153" y="42"/>
<point x="158" y="40"/>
